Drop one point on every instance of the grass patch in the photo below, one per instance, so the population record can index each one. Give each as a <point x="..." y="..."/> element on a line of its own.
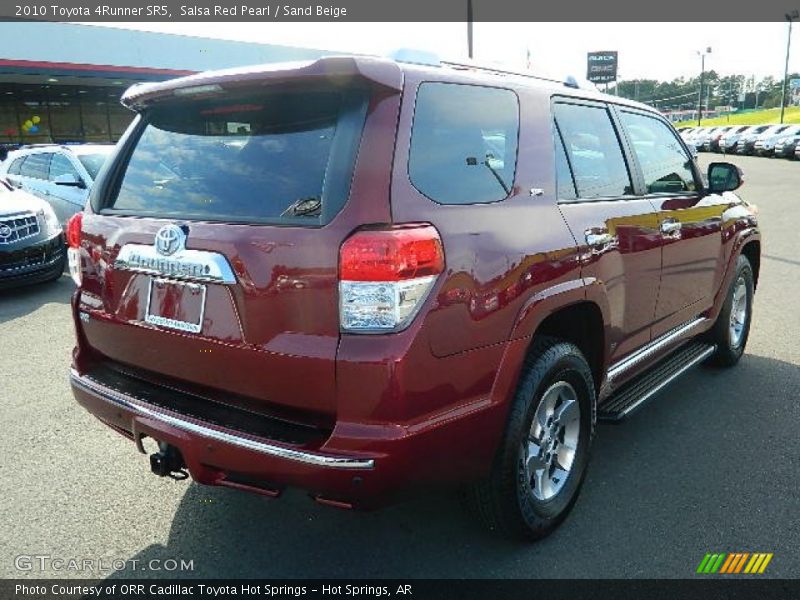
<point x="756" y="117"/>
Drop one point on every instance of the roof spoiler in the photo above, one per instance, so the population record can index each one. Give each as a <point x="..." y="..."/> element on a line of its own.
<point x="376" y="71"/>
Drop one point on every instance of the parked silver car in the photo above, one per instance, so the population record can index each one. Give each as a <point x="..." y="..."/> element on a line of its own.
<point x="765" y="143"/>
<point x="60" y="175"/>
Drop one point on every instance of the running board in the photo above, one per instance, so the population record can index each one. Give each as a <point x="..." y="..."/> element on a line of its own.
<point x="641" y="388"/>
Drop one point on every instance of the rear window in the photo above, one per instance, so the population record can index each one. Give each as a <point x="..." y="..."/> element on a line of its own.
<point x="270" y="157"/>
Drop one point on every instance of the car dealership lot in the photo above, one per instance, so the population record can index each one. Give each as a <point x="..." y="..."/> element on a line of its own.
<point x="712" y="465"/>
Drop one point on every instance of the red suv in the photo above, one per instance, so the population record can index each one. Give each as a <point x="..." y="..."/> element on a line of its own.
<point x="358" y="276"/>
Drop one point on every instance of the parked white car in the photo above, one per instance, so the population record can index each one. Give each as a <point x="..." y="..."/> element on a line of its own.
<point x="765" y="143"/>
<point x="60" y="175"/>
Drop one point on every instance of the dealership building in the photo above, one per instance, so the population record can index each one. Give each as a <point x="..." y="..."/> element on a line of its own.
<point x="62" y="82"/>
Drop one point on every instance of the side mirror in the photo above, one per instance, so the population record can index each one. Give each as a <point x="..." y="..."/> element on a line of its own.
<point x="724" y="177"/>
<point x="69" y="180"/>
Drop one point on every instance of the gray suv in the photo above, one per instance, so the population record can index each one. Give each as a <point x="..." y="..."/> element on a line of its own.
<point x="60" y="175"/>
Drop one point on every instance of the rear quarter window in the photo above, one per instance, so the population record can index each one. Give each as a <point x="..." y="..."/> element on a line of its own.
<point x="15" y="167"/>
<point x="464" y="143"/>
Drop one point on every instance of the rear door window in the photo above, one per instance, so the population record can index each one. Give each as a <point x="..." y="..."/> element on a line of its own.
<point x="268" y="157"/>
<point x="593" y="150"/>
<point x="464" y="143"/>
<point x="565" y="185"/>
<point x="61" y="165"/>
<point x="37" y="166"/>
<point x="666" y="166"/>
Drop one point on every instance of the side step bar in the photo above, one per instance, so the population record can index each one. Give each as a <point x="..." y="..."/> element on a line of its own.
<point x="643" y="387"/>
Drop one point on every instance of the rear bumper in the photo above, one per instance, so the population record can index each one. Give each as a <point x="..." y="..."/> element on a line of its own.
<point x="139" y="410"/>
<point x="391" y="461"/>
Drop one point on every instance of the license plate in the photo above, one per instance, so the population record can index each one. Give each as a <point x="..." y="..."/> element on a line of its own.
<point x="176" y="305"/>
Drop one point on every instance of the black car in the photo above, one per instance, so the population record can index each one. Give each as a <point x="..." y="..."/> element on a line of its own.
<point x="32" y="247"/>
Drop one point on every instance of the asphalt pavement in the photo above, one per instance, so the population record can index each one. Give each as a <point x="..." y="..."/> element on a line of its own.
<point x="711" y="465"/>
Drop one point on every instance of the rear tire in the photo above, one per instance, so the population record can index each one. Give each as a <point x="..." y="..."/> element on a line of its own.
<point x="539" y="468"/>
<point x="732" y="328"/>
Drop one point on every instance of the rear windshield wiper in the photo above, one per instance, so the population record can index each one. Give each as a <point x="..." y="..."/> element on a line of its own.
<point x="304" y="207"/>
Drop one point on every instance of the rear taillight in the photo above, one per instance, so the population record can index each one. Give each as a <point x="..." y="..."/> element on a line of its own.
<point x="74" y="230"/>
<point x="74" y="226"/>
<point x="385" y="276"/>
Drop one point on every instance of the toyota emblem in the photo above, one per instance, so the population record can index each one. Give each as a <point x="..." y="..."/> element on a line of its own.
<point x="170" y="239"/>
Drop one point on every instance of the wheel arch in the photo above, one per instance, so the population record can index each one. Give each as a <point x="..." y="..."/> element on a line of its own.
<point x="581" y="324"/>
<point x="752" y="251"/>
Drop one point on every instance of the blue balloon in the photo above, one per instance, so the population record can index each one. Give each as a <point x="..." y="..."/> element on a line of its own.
<point x="34" y="129"/>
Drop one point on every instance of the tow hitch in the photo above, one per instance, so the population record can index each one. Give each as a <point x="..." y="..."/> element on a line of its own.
<point x="168" y="462"/>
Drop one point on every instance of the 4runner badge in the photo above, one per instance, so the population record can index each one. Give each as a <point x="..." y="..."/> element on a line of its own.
<point x="170" y="239"/>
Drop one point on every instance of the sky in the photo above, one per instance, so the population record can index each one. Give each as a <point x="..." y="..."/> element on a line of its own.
<point x="661" y="51"/>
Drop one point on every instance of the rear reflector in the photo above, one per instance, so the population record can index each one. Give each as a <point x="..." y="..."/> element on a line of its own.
<point x="385" y="276"/>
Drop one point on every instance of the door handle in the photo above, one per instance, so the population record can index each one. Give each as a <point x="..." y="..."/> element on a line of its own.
<point x="598" y="239"/>
<point x="670" y="226"/>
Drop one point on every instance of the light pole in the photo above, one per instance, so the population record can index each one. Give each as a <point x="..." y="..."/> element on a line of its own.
<point x="469" y="28"/>
<point x="702" y="54"/>
<point x="789" y="17"/>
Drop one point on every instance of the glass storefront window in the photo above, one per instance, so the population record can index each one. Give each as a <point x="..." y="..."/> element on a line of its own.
<point x="38" y="114"/>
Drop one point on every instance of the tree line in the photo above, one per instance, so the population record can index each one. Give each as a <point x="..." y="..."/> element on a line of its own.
<point x="682" y="93"/>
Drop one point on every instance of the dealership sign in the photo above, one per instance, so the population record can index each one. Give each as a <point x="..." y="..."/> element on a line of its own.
<point x="602" y="66"/>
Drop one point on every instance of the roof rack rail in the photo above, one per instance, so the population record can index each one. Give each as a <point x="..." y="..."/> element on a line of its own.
<point x="41" y="145"/>
<point x="569" y="80"/>
<point x="416" y="57"/>
<point x="425" y="57"/>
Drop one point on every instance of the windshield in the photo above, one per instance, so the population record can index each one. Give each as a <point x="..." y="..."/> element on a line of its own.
<point x="280" y="156"/>
<point x="92" y="163"/>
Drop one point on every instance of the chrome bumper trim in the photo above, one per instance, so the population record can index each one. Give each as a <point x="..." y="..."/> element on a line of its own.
<point x="310" y="458"/>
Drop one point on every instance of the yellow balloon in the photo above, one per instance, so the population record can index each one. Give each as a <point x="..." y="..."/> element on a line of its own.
<point x="28" y="124"/>
<point x="36" y="119"/>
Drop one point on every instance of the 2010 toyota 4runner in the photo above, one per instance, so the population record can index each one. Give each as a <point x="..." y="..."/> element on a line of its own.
<point x="358" y="276"/>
